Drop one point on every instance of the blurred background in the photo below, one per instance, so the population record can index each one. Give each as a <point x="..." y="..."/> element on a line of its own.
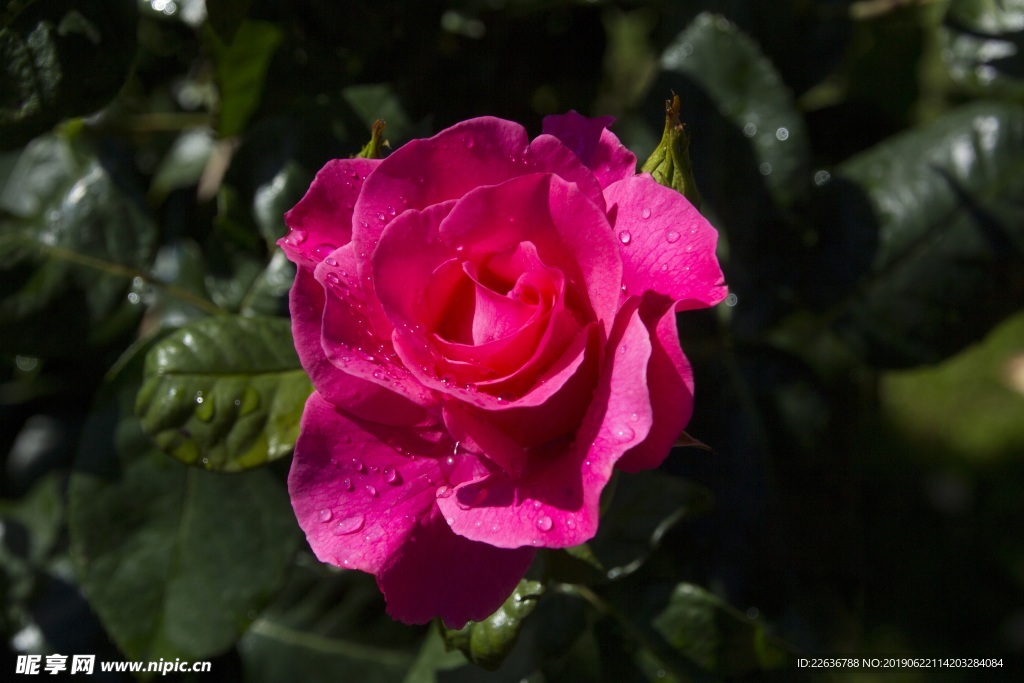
<point x="862" y="389"/>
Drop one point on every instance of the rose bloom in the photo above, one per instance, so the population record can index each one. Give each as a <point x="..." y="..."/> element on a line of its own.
<point x="489" y="324"/>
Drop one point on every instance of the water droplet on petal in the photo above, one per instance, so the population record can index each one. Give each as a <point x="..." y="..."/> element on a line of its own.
<point x="297" y="236"/>
<point x="325" y="515"/>
<point x="357" y="464"/>
<point x="350" y="525"/>
<point x="333" y="278"/>
<point x="571" y="523"/>
<point x="625" y="237"/>
<point x="381" y="216"/>
<point x="672" y="236"/>
<point x="346" y="484"/>
<point x="331" y="262"/>
<point x="444" y="492"/>
<point x="646" y="213"/>
<point x="544" y="523"/>
<point x="536" y="504"/>
<point x="623" y="433"/>
<point x="391" y="475"/>
<point x="664" y="267"/>
<point x="391" y="211"/>
<point x="371" y="490"/>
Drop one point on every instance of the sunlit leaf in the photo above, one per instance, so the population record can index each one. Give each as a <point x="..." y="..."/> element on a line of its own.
<point x="750" y="94"/>
<point x="945" y="204"/>
<point x="225" y="393"/>
<point x="982" y="43"/>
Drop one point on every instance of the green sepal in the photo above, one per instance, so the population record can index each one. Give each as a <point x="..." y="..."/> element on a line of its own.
<point x="670" y="163"/>
<point x="486" y="643"/>
<point x="374" y="149"/>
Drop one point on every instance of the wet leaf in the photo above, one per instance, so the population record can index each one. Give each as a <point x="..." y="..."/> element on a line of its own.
<point x="224" y="393"/>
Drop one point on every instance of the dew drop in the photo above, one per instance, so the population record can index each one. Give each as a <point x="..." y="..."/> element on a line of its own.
<point x="331" y="262"/>
<point x="646" y="213"/>
<point x="371" y="490"/>
<point x="346" y="484"/>
<point x="381" y="216"/>
<point x="536" y="505"/>
<point x="544" y="523"/>
<point x="623" y="433"/>
<point x="391" y="211"/>
<point x="333" y="278"/>
<point x="625" y="237"/>
<point x="350" y="525"/>
<point x="445" y="492"/>
<point x="297" y="236"/>
<point x="672" y="236"/>
<point x="664" y="267"/>
<point x="325" y="515"/>
<point x="378" y="374"/>
<point x="391" y="475"/>
<point x="571" y="523"/>
<point x="634" y="417"/>
<point x="357" y="464"/>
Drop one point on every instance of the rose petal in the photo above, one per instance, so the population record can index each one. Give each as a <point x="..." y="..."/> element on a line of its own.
<point x="322" y="220"/>
<point x="556" y="504"/>
<point x="667" y="246"/>
<point x="596" y="146"/>
<point x="570" y="233"/>
<point x="438" y="573"/>
<point x="360" y="397"/>
<point x="471" y="154"/>
<point x="356" y="497"/>
<point x="670" y="380"/>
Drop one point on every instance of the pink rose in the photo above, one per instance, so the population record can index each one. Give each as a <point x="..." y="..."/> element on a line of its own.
<point x="489" y="323"/>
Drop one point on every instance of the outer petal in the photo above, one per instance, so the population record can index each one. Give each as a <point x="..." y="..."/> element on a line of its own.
<point x="670" y="380"/>
<point x="360" y="397"/>
<point x="357" y="497"/>
<point x="440" y="574"/>
<point x="322" y="220"/>
<point x="556" y="504"/>
<point x="667" y="246"/>
<point x="366" y="504"/>
<point x="596" y="146"/>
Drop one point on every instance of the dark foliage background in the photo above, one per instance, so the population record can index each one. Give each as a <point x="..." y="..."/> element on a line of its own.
<point x="862" y="388"/>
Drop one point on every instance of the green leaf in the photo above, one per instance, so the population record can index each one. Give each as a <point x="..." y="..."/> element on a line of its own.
<point x="175" y="561"/>
<point x="183" y="164"/>
<point x="714" y="635"/>
<point x="487" y="643"/>
<point x="241" y="67"/>
<point x="981" y="42"/>
<point x="60" y="59"/>
<point x="945" y="205"/>
<point x="268" y="294"/>
<point x="749" y="93"/>
<point x="327" y="625"/>
<point x="71" y="242"/>
<point x="646" y="505"/>
<point x="225" y="393"/>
